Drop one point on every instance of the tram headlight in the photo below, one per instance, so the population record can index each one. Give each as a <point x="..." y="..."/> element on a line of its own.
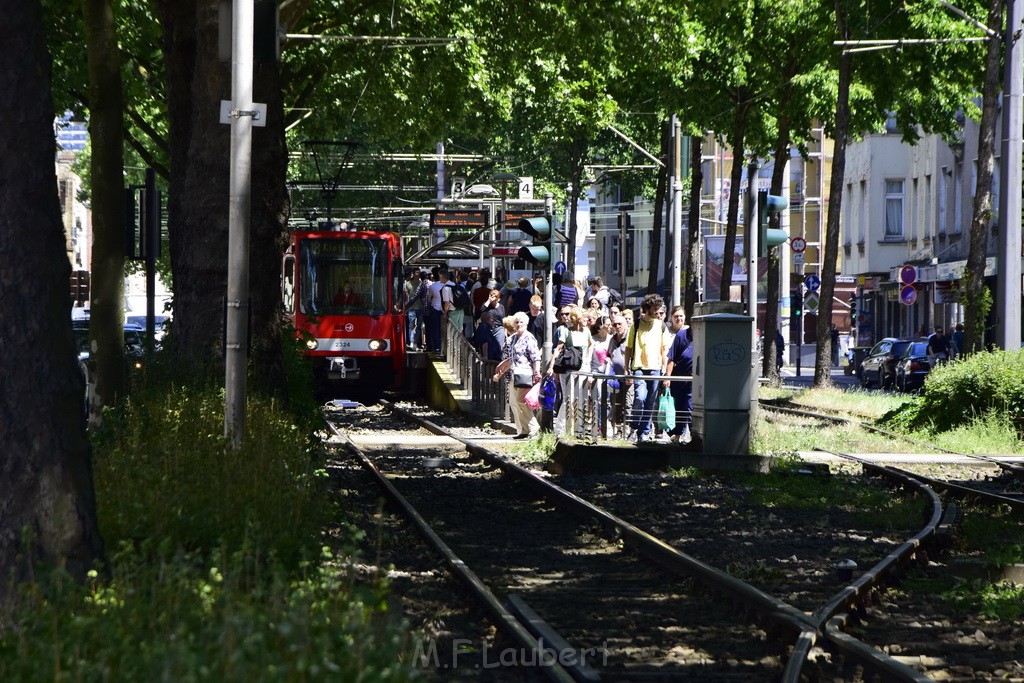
<point x="312" y="344"/>
<point x="378" y="344"/>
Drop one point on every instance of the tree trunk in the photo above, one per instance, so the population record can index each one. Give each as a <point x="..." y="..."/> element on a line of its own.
<point x="269" y="233"/>
<point x="823" y="356"/>
<point x="198" y="246"/>
<point x="198" y="193"/>
<point x="736" y="142"/>
<point x="47" y="504"/>
<point x="106" y="132"/>
<point x="973" y="281"/>
<point x="660" y="217"/>
<point x="693" y="253"/>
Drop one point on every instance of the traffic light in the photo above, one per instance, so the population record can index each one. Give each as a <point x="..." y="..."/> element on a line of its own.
<point x="539" y="228"/>
<point x="796" y="302"/>
<point x="767" y="204"/>
<point x="853" y="309"/>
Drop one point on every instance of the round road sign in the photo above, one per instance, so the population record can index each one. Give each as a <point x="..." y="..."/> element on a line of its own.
<point x="560" y="267"/>
<point x="908" y="275"/>
<point x="812" y="282"/>
<point x="798" y="244"/>
<point x="908" y="294"/>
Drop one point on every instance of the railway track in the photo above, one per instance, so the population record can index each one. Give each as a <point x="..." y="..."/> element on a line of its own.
<point x="521" y="554"/>
<point x="562" y="578"/>
<point x="916" y="622"/>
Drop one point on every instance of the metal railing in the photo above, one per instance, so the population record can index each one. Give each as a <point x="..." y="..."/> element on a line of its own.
<point x="474" y="373"/>
<point x="600" y="406"/>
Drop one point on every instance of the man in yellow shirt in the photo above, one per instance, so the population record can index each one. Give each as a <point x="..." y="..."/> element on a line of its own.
<point x="646" y="355"/>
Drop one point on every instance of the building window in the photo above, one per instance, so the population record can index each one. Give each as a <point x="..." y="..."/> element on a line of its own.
<point x="915" y="212"/>
<point x="630" y="250"/>
<point x="943" y="192"/>
<point x="929" y="222"/>
<point x="615" y="255"/>
<point x="862" y="222"/>
<point x="848" y="207"/>
<point x="894" y="209"/>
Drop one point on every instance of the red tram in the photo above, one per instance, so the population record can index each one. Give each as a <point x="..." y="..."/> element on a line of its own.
<point x="342" y="291"/>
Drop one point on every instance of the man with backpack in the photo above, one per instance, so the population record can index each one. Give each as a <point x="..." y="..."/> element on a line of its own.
<point x="605" y="295"/>
<point x="415" y="303"/>
<point x="455" y="307"/>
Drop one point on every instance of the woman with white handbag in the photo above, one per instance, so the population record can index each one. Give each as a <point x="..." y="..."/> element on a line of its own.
<point x="520" y="358"/>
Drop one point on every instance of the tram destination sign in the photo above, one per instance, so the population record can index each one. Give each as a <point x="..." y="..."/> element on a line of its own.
<point x="460" y="220"/>
<point x="512" y="218"/>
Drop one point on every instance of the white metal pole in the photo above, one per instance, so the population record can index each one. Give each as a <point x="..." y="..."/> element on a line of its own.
<point x="549" y="211"/>
<point x="752" y="223"/>
<point x="239" y="181"/>
<point x="1008" y="276"/>
<point x="677" y="214"/>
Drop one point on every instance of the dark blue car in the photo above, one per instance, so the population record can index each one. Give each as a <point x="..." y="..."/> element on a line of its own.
<point x="913" y="366"/>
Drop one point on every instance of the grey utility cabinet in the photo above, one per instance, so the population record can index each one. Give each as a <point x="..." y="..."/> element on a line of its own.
<point x="722" y="381"/>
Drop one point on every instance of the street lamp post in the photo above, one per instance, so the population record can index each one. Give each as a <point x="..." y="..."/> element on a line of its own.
<point x="504" y="179"/>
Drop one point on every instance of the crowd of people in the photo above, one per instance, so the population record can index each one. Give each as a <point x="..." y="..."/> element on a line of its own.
<point x="593" y="332"/>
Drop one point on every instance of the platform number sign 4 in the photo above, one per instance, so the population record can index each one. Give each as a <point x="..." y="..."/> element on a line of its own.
<point x="526" y="188"/>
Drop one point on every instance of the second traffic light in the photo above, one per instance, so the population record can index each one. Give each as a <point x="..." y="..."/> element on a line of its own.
<point x="796" y="302"/>
<point x="539" y="228"/>
<point x="768" y="204"/>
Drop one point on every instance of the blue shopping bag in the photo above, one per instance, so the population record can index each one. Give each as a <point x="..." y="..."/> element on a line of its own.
<point x="549" y="393"/>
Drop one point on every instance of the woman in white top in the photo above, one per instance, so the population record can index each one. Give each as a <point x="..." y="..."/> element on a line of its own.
<point x="520" y="356"/>
<point x="575" y="334"/>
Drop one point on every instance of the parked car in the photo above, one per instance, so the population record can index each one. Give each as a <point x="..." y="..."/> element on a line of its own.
<point x="879" y="366"/>
<point x="913" y="366"/>
<point x="134" y="343"/>
<point x="159" y="326"/>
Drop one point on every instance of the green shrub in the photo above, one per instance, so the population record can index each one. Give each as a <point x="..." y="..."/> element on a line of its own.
<point x="215" y="569"/>
<point x="958" y="392"/>
<point x="166" y="477"/>
<point x="231" y="618"/>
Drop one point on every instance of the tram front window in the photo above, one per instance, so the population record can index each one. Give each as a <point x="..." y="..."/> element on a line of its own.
<point x="344" y="277"/>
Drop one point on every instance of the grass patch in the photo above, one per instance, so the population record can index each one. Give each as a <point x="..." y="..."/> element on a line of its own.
<point x="856" y="404"/>
<point x="225" y="618"/>
<point x="780" y="434"/>
<point x="775" y="433"/>
<point x="538" y="448"/>
<point x="991" y="432"/>
<point x="1002" y="601"/>
<point x="999" y="537"/>
<point x="166" y="479"/>
<point x="868" y="504"/>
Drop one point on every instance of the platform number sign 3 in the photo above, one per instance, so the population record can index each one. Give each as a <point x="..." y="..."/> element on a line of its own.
<point x="458" y="186"/>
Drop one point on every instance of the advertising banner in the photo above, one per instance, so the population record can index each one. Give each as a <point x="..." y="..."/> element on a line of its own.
<point x="714" y="261"/>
